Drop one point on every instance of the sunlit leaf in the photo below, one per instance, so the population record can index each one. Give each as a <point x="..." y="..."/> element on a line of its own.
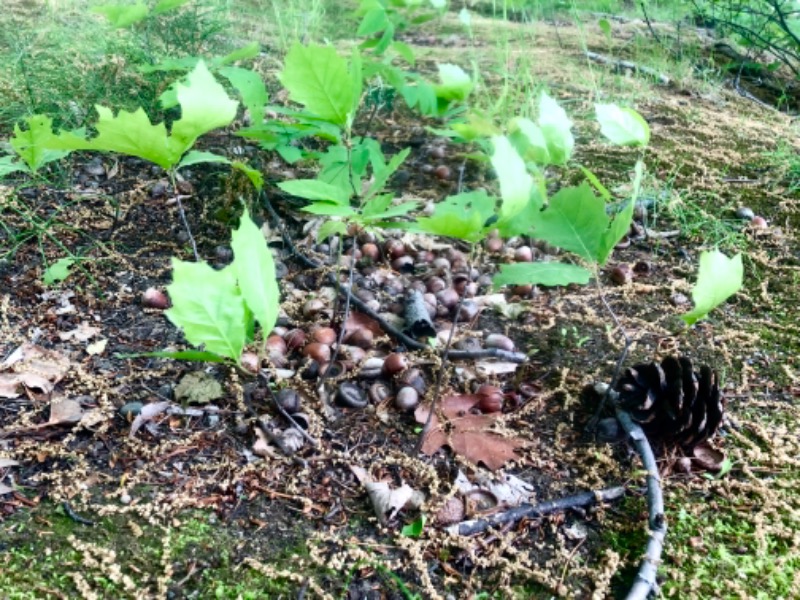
<point x="255" y="272"/>
<point x="208" y="307"/>
<point x="313" y="189"/>
<point x="455" y="84"/>
<point x="515" y="181"/>
<point x="574" y="220"/>
<point x="317" y="78"/>
<point x="622" y="126"/>
<point x="557" y="130"/>
<point x="718" y="278"/>
<point x="251" y="88"/>
<point x="122" y="15"/>
<point x="463" y="216"/>
<point x="541" y="273"/>
<point x="33" y="145"/>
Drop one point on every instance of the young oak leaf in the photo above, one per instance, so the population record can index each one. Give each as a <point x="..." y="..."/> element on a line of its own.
<point x="718" y="278"/>
<point x="208" y="306"/>
<point x="255" y="271"/>
<point x="204" y="106"/>
<point x="463" y="216"/>
<point x="32" y="144"/>
<point x="515" y="181"/>
<point x="469" y="435"/>
<point x="317" y="78"/>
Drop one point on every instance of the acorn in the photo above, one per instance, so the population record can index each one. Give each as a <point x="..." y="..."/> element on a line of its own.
<point x="448" y="298"/>
<point x="499" y="341"/>
<point x="523" y="254"/>
<point x="435" y="284"/>
<point x="442" y="172"/>
<point x="362" y="338"/>
<point x="370" y="252"/>
<point x="277" y="344"/>
<point x="758" y="222"/>
<point x="324" y="335"/>
<point x="621" y="274"/>
<point x="413" y="378"/>
<point x="249" y="360"/>
<point x="493" y="245"/>
<point x="321" y="353"/>
<point x="403" y="264"/>
<point x="155" y="298"/>
<point x="313" y="307"/>
<point x="407" y="398"/>
<point x="490" y="399"/>
<point x="395" y="363"/>
<point x="295" y="338"/>
<point x="468" y="311"/>
<point x="372" y="368"/>
<point x="395" y="248"/>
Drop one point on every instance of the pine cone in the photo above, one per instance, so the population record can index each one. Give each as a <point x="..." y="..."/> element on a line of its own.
<point x="671" y="401"/>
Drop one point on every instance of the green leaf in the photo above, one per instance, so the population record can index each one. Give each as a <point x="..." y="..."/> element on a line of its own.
<point x="462" y="216"/>
<point x="122" y="15"/>
<point x="592" y="178"/>
<point x="516" y="183"/>
<point x="405" y="51"/>
<point x="621" y="223"/>
<point x="254" y="175"/>
<point x="314" y="189"/>
<point x="622" y="126"/>
<point x="168" y="5"/>
<point x="317" y="78"/>
<point x="33" y="144"/>
<point x="291" y="154"/>
<point x="251" y="88"/>
<point x="414" y="529"/>
<point x="380" y="177"/>
<point x="9" y="164"/>
<point x="357" y="80"/>
<point x="58" y="271"/>
<point x="329" y="210"/>
<point x="208" y="307"/>
<point x="255" y="271"/>
<point x="374" y="20"/>
<point x="529" y="140"/>
<point x="250" y="51"/>
<point x="190" y="355"/>
<point x="330" y="228"/>
<point x="205" y="106"/>
<point x="201" y="156"/>
<point x="718" y="279"/>
<point x="557" y="130"/>
<point x="605" y="27"/>
<point x="455" y="84"/>
<point x="399" y="210"/>
<point x="541" y="273"/>
<point x="575" y="220"/>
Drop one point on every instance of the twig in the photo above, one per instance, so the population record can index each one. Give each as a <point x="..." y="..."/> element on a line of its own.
<point x="582" y="500"/>
<point x="649" y="24"/>
<point x="646" y="577"/>
<point x="626" y="64"/>
<point x="347" y="299"/>
<point x="439" y="375"/>
<point x="75" y="516"/>
<point x="186" y="226"/>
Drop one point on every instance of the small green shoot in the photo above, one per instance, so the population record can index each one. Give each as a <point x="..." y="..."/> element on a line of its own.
<point x="415" y="528"/>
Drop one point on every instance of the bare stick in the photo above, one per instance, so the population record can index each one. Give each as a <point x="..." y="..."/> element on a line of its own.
<point x="646" y="577"/>
<point x="582" y="500"/>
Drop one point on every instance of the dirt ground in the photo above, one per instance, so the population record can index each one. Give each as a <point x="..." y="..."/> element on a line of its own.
<point x="189" y="506"/>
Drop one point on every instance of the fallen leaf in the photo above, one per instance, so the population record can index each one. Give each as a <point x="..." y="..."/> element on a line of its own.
<point x="469" y="435"/>
<point x="82" y="333"/>
<point x="707" y="458"/>
<point x="388" y="501"/>
<point x="33" y="367"/>
<point x="97" y="347"/>
<point x="148" y="412"/>
<point x="64" y="411"/>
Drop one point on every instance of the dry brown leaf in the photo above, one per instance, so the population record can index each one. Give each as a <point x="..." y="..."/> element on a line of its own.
<point x="82" y="333"/>
<point x="470" y="435"/>
<point x="64" y="411"/>
<point x="707" y="458"/>
<point x="33" y="367"/>
<point x="387" y="501"/>
<point x="149" y="411"/>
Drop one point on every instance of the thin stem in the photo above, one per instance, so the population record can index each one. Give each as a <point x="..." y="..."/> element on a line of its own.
<point x="182" y="214"/>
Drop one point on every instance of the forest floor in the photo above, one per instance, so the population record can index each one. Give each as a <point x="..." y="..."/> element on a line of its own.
<point x="196" y="504"/>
